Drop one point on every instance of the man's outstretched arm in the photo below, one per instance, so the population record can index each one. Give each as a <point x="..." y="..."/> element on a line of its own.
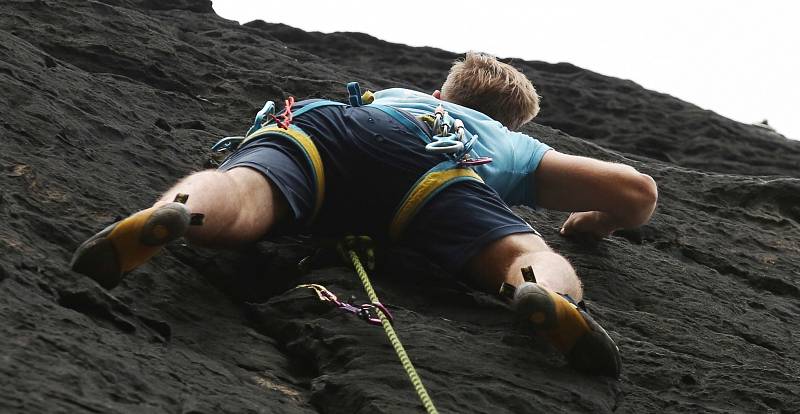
<point x="604" y="196"/>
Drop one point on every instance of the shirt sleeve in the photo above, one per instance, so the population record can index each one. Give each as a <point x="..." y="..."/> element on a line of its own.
<point x="528" y="153"/>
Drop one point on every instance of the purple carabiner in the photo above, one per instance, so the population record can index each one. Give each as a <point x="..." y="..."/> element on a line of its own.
<point x="367" y="308"/>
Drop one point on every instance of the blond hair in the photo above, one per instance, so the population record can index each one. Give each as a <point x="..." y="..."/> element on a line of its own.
<point x="495" y="88"/>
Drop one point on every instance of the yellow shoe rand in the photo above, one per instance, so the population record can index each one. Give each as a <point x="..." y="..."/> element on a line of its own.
<point x="573" y="332"/>
<point x="127" y="244"/>
<point x="127" y="240"/>
<point x="569" y="324"/>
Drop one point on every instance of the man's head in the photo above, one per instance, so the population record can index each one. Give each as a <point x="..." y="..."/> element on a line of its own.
<point x="483" y="83"/>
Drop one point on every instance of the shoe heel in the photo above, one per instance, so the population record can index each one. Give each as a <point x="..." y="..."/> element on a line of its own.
<point x="167" y="223"/>
<point x="534" y="308"/>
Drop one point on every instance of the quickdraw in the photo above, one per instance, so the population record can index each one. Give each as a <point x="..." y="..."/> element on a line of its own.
<point x="373" y="313"/>
<point x="449" y="137"/>
<point x="367" y="311"/>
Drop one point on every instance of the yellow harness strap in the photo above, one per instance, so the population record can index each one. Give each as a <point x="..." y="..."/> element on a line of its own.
<point x="304" y="142"/>
<point x="423" y="190"/>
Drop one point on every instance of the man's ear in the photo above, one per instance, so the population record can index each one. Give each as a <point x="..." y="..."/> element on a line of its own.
<point x="437" y="94"/>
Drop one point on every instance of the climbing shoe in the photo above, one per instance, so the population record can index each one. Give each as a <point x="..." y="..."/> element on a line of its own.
<point x="126" y="244"/>
<point x="568" y="327"/>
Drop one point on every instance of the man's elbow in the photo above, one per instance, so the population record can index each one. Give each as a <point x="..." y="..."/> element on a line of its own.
<point x="645" y="197"/>
<point x="637" y="200"/>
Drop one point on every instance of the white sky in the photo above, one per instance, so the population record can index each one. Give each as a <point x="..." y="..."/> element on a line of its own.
<point x="740" y="59"/>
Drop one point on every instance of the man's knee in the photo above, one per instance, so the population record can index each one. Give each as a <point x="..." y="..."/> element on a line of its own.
<point x="493" y="262"/>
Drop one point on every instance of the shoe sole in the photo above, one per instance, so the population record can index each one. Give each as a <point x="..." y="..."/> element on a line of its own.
<point x="586" y="345"/>
<point x="126" y="244"/>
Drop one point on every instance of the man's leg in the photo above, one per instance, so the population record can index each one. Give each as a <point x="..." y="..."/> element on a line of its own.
<point x="468" y="220"/>
<point x="239" y="205"/>
<point x="502" y="261"/>
<point x="549" y="305"/>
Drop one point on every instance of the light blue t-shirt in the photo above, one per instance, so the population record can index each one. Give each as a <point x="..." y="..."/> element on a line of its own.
<point x="515" y="155"/>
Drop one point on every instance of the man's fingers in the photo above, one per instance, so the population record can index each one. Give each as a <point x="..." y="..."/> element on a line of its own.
<point x="580" y="226"/>
<point x="566" y="228"/>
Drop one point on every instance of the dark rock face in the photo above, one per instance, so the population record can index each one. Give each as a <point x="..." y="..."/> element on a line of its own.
<point x="104" y="104"/>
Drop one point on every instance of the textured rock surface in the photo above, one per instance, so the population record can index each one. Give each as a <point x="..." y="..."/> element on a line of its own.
<point x="104" y="104"/>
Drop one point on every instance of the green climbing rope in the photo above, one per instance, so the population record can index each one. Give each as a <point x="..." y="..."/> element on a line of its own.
<point x="387" y="326"/>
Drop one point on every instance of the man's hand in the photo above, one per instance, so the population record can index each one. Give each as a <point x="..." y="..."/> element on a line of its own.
<point x="593" y="225"/>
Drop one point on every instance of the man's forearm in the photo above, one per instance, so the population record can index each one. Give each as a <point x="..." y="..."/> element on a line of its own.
<point x="640" y="202"/>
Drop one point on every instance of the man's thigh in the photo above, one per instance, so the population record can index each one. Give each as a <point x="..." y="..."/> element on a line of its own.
<point x="460" y="222"/>
<point x="262" y="203"/>
<point x="277" y="179"/>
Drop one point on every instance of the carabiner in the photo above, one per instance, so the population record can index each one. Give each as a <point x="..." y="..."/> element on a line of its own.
<point x="269" y="111"/>
<point x="458" y="127"/>
<point x="368" y="309"/>
<point x="468" y="145"/>
<point x="227" y="143"/>
<point x="472" y="162"/>
<point x="444" y="146"/>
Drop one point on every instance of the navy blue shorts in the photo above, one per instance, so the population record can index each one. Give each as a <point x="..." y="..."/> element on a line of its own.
<point x="370" y="162"/>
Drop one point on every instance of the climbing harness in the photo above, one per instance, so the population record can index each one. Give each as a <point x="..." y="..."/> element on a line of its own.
<point x="447" y="136"/>
<point x="367" y="311"/>
<point x="348" y="249"/>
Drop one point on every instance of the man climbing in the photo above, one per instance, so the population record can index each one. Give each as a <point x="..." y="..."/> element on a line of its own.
<point x="334" y="169"/>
